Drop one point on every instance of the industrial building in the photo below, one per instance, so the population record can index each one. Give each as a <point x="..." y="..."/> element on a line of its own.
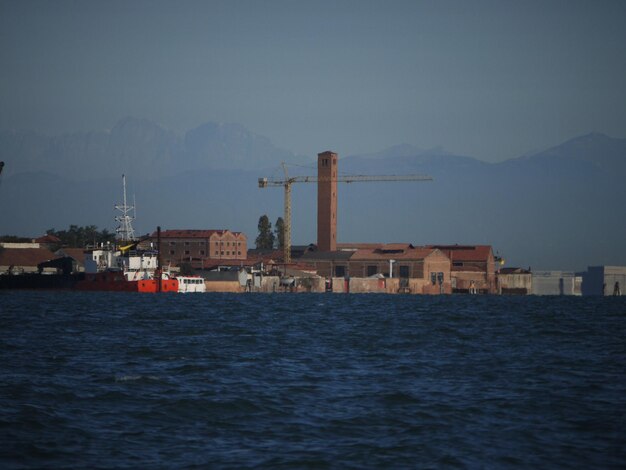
<point x="204" y="247"/>
<point x="473" y="268"/>
<point x="417" y="269"/>
<point x="429" y="269"/>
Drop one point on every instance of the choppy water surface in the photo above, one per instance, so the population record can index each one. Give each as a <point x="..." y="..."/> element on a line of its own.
<point x="311" y="381"/>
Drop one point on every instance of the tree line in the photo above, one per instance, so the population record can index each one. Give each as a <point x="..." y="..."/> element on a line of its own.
<point x="73" y="237"/>
<point x="268" y="238"/>
<point x="80" y="237"/>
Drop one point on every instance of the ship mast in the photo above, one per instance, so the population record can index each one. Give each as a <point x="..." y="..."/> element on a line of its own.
<point x="125" y="230"/>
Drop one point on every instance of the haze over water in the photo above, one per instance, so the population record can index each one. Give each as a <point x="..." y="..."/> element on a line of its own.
<point x="301" y="381"/>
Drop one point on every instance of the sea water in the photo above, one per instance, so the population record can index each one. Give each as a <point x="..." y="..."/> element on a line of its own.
<point x="114" y="380"/>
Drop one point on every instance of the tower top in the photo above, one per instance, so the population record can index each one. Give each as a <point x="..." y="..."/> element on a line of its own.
<point x="125" y="230"/>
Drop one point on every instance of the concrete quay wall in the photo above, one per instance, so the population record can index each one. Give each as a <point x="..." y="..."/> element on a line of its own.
<point x="338" y="285"/>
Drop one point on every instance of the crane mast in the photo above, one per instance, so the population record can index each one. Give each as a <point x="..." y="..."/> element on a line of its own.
<point x="287" y="181"/>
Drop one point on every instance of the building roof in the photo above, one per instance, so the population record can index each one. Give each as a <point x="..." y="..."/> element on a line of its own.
<point x="514" y="271"/>
<point x="48" y="239"/>
<point x="194" y="233"/>
<point x="327" y="256"/>
<point x="393" y="251"/>
<point x="465" y="252"/>
<point x="357" y="246"/>
<point x="25" y="256"/>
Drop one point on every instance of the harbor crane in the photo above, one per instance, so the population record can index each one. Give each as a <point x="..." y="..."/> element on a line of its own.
<point x="287" y="181"/>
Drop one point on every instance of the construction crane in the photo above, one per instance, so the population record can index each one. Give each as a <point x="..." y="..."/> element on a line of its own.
<point x="287" y="181"/>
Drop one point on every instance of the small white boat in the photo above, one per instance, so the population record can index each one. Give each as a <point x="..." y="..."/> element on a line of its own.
<point x="190" y="284"/>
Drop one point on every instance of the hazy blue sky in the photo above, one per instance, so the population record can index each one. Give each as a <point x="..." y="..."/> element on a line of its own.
<point x="491" y="79"/>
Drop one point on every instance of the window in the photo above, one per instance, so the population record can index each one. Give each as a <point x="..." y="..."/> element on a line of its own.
<point x="172" y="243"/>
<point x="371" y="270"/>
<point x="202" y="252"/>
<point x="217" y="252"/>
<point x="228" y="253"/>
<point x="404" y="271"/>
<point x="222" y="253"/>
<point x="186" y="243"/>
<point x="239" y="253"/>
<point x="186" y="252"/>
<point x="340" y="271"/>
<point x="172" y="252"/>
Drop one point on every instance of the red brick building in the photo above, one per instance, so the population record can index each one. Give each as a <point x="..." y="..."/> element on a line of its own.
<point x="203" y="246"/>
<point x="473" y="268"/>
<point x="420" y="270"/>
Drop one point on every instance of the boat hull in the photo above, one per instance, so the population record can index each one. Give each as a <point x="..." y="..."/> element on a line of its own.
<point x="117" y="283"/>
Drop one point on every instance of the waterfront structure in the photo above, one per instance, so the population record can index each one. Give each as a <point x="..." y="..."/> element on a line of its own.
<point x="514" y="281"/>
<point x="21" y="258"/>
<point x="556" y="283"/>
<point x="202" y="247"/>
<point x="473" y="268"/>
<point x="418" y="270"/>
<point x="604" y="280"/>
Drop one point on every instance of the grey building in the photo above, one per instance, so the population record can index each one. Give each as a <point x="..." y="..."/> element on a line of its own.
<point x="604" y="280"/>
<point x="556" y="283"/>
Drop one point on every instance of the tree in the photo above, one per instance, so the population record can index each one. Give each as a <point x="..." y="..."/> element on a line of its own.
<point x="279" y="230"/>
<point x="265" y="239"/>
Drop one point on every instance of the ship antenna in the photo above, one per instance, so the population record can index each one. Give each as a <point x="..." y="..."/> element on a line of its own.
<point x="125" y="230"/>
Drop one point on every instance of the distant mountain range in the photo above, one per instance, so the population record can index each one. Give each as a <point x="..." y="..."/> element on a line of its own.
<point x="562" y="208"/>
<point x="140" y="148"/>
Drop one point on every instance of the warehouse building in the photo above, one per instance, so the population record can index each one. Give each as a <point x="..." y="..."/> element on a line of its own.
<point x="413" y="269"/>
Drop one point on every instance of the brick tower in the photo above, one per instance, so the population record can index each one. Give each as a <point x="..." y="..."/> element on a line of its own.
<point x="327" y="201"/>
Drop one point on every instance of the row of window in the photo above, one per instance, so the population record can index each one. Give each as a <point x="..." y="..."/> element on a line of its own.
<point x="173" y="243"/>
<point x="203" y="253"/>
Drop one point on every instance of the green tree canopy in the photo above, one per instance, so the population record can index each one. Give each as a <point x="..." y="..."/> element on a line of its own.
<point x="265" y="238"/>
